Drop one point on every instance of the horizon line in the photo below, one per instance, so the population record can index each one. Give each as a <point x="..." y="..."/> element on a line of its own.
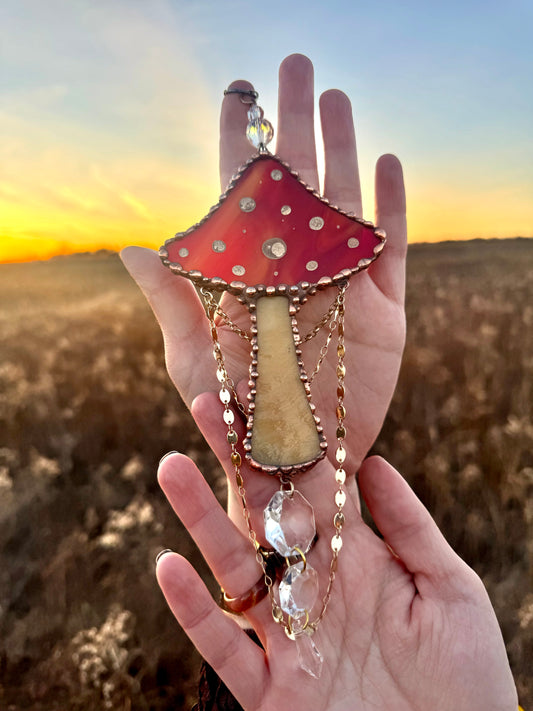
<point x="108" y="251"/>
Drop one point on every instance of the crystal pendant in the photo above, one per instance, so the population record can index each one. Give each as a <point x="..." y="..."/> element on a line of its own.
<point x="309" y="656"/>
<point x="255" y="113"/>
<point x="289" y="523"/>
<point x="259" y="132"/>
<point x="298" y="589"/>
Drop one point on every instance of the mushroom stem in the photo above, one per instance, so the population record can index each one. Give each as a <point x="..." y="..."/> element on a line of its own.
<point x="284" y="429"/>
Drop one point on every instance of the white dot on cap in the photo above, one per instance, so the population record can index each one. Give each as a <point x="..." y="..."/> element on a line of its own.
<point x="311" y="266"/>
<point x="353" y="242"/>
<point x="247" y="204"/>
<point x="316" y="223"/>
<point x="274" y="248"/>
<point x="184" y="252"/>
<point x="238" y="270"/>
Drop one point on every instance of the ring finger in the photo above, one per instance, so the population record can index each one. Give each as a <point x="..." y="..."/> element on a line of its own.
<point x="226" y="550"/>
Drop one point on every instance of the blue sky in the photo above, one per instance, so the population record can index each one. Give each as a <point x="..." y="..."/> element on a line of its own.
<point x="109" y="110"/>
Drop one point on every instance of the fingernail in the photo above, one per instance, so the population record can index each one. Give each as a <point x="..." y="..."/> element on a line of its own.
<point x="162" y="553"/>
<point x="173" y="451"/>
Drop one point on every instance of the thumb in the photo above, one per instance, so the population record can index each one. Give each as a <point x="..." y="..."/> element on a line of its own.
<point x="180" y="315"/>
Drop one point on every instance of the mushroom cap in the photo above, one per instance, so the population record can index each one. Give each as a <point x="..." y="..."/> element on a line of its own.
<point x="269" y="232"/>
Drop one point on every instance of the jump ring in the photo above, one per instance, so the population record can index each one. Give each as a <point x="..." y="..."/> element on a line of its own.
<point x="250" y="93"/>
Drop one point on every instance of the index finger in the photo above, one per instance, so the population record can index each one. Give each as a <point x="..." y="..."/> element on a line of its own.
<point x="234" y="146"/>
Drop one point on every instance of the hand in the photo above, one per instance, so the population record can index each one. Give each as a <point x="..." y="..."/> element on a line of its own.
<point x="405" y="631"/>
<point x="375" y="323"/>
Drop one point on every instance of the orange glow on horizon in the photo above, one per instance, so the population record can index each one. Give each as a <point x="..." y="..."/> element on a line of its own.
<point x="87" y="218"/>
<point x="104" y="213"/>
<point x="14" y="249"/>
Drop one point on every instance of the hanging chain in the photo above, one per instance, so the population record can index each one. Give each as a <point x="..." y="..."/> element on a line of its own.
<point x="211" y="308"/>
<point x="211" y="302"/>
<point x="340" y="457"/>
<point x="331" y="313"/>
<point x="323" y="321"/>
<point x="227" y="389"/>
<point x="246" y="335"/>
<point x="236" y="459"/>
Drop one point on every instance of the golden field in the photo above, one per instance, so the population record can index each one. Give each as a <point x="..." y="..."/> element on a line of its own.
<point x="87" y="410"/>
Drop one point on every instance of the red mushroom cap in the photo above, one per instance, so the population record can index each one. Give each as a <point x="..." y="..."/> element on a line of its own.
<point x="270" y="229"/>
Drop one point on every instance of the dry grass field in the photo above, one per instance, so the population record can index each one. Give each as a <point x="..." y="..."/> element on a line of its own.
<point x="86" y="411"/>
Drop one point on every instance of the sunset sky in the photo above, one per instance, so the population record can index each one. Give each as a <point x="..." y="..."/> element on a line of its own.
<point x="109" y="110"/>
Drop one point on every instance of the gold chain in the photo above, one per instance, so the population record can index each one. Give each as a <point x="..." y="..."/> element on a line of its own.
<point x="226" y="391"/>
<point x="236" y="459"/>
<point x="211" y="308"/>
<point x="323" y="321"/>
<point x="213" y="304"/>
<point x="332" y="312"/>
<point x="340" y="454"/>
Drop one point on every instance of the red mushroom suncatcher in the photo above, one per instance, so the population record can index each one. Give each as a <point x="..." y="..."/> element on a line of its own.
<point x="272" y="241"/>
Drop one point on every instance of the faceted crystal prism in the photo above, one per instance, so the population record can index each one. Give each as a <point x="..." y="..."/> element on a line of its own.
<point x="259" y="132"/>
<point x="255" y="113"/>
<point x="289" y="523"/>
<point x="298" y="589"/>
<point x="309" y="657"/>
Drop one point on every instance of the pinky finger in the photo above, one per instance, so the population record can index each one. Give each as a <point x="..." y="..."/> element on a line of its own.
<point x="238" y="661"/>
<point x="388" y="272"/>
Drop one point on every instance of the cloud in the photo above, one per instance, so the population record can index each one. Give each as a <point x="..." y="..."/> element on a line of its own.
<point x="108" y="129"/>
<point x="109" y="109"/>
<point x="123" y="68"/>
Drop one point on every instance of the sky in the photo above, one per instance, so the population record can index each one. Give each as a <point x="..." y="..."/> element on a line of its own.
<point x="109" y="110"/>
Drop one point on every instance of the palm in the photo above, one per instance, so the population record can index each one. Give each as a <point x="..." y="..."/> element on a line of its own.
<point x="374" y="321"/>
<point x="378" y="634"/>
<point x="375" y="332"/>
<point x="403" y="632"/>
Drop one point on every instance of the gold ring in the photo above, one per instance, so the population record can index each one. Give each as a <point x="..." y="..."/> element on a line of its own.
<point x="241" y="603"/>
<point x="273" y="565"/>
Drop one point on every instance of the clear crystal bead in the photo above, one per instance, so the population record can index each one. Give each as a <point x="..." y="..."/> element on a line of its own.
<point x="255" y="113"/>
<point x="309" y="656"/>
<point x="289" y="522"/>
<point x="298" y="625"/>
<point x="259" y="132"/>
<point x="298" y="589"/>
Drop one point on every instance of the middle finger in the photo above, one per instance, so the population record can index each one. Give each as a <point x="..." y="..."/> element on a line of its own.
<point x="341" y="183"/>
<point x="296" y="129"/>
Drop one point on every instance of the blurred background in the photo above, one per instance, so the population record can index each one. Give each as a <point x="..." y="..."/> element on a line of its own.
<point x="108" y="117"/>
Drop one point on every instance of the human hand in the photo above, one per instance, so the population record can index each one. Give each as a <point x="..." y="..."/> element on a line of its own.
<point x="405" y="631"/>
<point x="375" y="324"/>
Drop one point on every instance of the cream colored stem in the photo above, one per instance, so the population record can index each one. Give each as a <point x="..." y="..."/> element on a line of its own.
<point x="284" y="429"/>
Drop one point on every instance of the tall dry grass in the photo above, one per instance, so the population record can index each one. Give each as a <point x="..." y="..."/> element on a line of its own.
<point x="86" y="410"/>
